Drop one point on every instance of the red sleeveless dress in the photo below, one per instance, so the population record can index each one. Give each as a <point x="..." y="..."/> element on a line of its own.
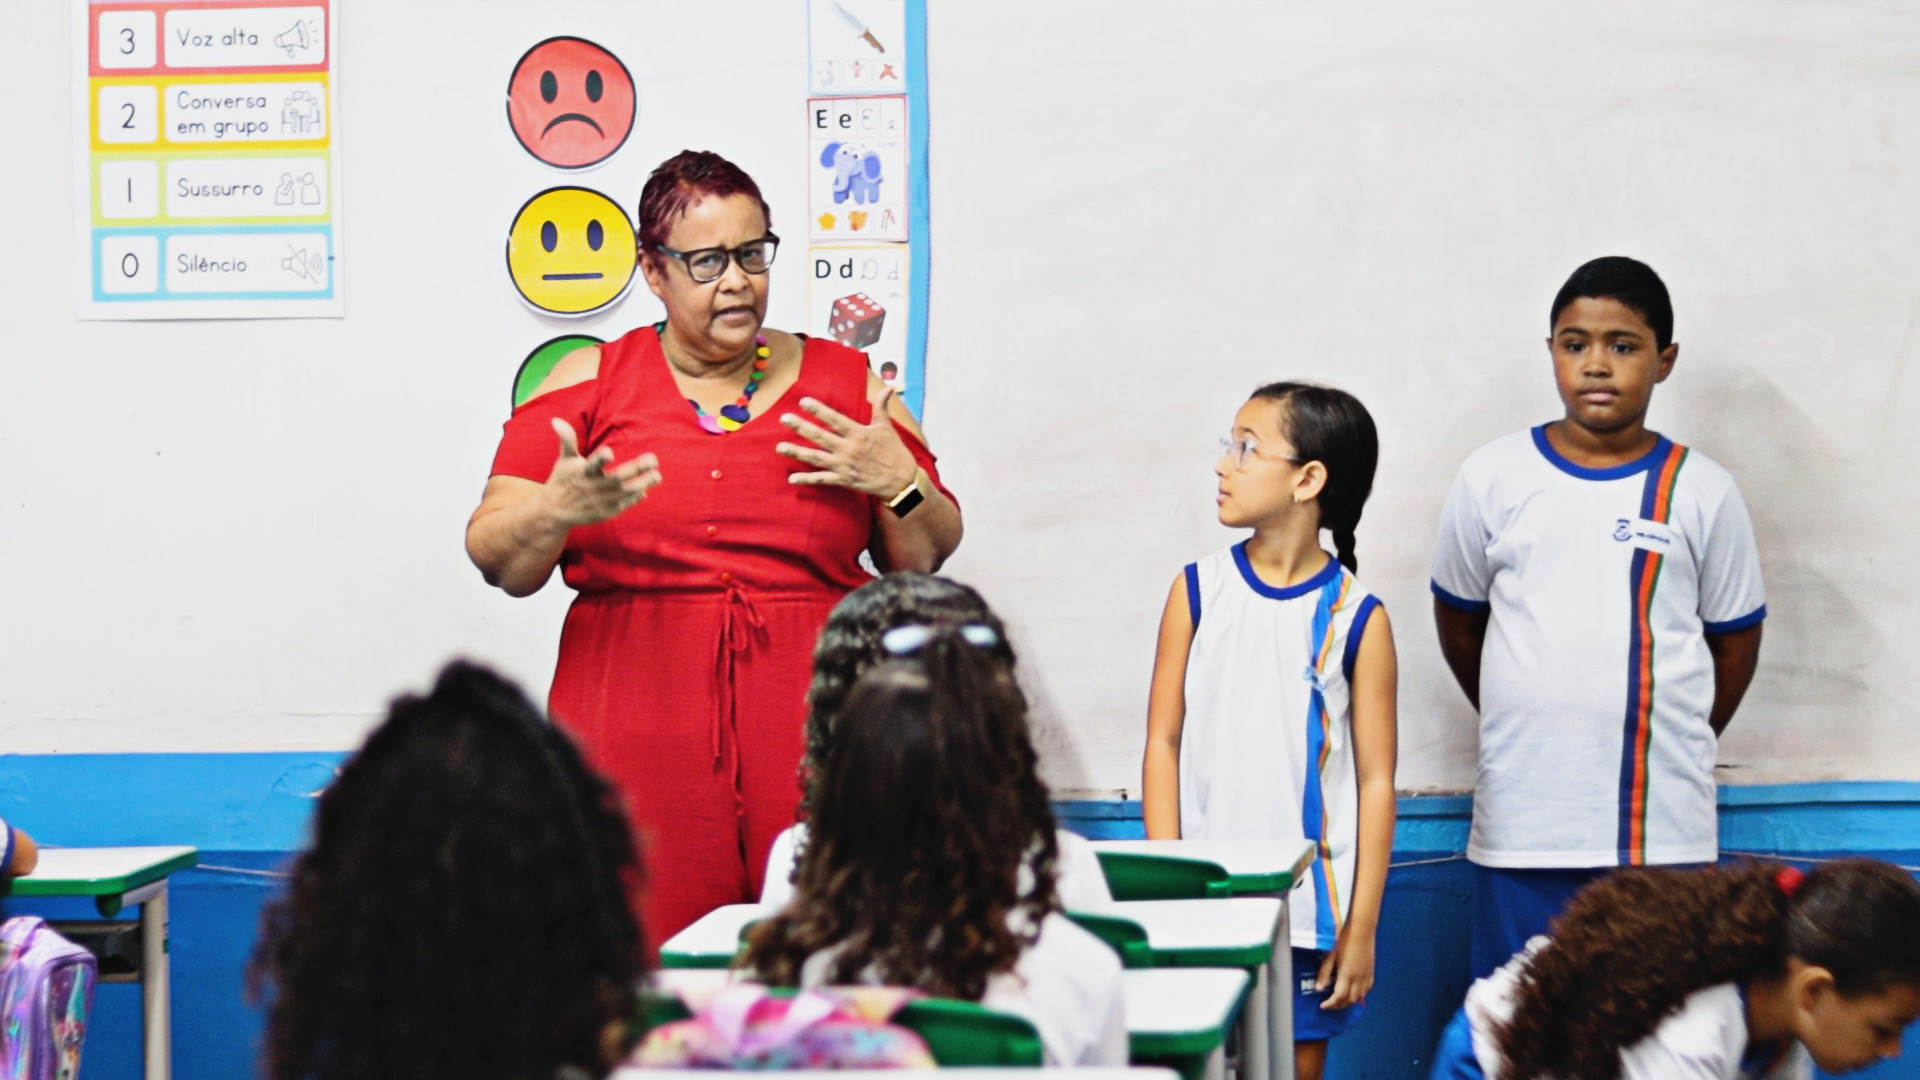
<point x="685" y="659"/>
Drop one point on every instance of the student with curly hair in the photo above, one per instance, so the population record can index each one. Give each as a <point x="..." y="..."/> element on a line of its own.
<point x="930" y="861"/>
<point x="849" y="646"/>
<point x="1748" y="971"/>
<point x="462" y="911"/>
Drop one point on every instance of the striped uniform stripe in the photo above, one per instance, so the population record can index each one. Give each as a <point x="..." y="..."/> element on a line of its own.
<point x="1313" y="811"/>
<point x="1656" y="504"/>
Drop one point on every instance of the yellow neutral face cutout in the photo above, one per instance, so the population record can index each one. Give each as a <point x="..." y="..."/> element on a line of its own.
<point x="571" y="251"/>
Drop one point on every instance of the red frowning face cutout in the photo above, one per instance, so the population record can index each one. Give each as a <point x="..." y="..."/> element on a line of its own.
<point x="570" y="102"/>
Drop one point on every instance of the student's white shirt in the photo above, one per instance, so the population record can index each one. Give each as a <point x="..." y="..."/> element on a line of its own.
<point x="1704" y="1040"/>
<point x="1595" y="679"/>
<point x="1266" y="747"/>
<point x="1078" y="879"/>
<point x="1067" y="984"/>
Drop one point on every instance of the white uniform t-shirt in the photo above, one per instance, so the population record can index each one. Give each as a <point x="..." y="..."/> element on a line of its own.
<point x="1705" y="1040"/>
<point x="1595" y="679"/>
<point x="1067" y="984"/>
<point x="1078" y="879"/>
<point x="1266" y="748"/>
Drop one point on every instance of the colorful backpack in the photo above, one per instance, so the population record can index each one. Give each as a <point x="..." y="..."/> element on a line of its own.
<point x="46" y="991"/>
<point x="747" y="1027"/>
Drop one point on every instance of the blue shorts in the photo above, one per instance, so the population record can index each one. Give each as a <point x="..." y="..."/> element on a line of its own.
<point x="1312" y="1023"/>
<point x="1511" y="907"/>
<point x="1454" y="1059"/>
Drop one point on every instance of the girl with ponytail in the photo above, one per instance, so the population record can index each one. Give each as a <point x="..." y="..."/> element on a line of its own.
<point x="1754" y="970"/>
<point x="931" y="856"/>
<point x="1272" y="713"/>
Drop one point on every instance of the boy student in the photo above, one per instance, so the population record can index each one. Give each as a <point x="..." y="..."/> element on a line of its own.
<point x="1598" y="597"/>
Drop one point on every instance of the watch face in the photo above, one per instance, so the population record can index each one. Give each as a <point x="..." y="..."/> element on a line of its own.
<point x="908" y="500"/>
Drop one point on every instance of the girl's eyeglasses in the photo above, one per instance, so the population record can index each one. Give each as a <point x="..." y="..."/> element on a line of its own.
<point x="1239" y="452"/>
<point x="910" y="639"/>
<point x="707" y="264"/>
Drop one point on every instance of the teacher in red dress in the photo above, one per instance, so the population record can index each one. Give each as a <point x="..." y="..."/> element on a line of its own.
<point x="707" y="486"/>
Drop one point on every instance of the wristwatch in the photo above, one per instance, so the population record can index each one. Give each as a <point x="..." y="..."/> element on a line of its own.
<point x="915" y="494"/>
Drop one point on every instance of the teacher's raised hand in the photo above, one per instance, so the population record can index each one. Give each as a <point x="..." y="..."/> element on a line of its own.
<point x="583" y="490"/>
<point x="869" y="458"/>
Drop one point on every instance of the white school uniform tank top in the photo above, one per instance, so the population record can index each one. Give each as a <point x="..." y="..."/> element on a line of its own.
<point x="1266" y="749"/>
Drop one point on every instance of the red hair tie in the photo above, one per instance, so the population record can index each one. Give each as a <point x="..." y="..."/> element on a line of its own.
<point x="1789" y="879"/>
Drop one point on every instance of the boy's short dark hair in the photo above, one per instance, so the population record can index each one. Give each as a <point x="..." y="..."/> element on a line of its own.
<point x="1629" y="281"/>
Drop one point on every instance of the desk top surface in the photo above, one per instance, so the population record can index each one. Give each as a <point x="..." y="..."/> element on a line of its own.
<point x="108" y="871"/>
<point x="1240" y="858"/>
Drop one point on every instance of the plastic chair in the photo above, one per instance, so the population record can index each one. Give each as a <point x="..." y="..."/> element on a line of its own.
<point x="1133" y="876"/>
<point x="1124" y="936"/>
<point x="963" y="1033"/>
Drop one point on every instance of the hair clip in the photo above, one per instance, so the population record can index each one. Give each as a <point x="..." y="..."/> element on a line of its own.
<point x="911" y="638"/>
<point x="1788" y="879"/>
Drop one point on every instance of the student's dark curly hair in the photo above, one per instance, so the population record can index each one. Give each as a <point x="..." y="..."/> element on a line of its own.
<point x="927" y="806"/>
<point x="1632" y="947"/>
<point x="462" y="911"/>
<point x="850" y="644"/>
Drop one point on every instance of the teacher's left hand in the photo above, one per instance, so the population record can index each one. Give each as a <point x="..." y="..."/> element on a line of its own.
<point x="869" y="458"/>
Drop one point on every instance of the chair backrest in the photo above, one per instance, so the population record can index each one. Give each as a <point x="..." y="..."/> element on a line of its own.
<point x="1124" y="936"/>
<point x="1132" y="876"/>
<point x="963" y="1033"/>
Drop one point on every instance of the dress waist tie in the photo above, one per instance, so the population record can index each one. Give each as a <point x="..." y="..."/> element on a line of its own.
<point x="738" y="619"/>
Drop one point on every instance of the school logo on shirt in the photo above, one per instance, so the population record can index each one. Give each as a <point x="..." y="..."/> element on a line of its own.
<point x="1645" y="534"/>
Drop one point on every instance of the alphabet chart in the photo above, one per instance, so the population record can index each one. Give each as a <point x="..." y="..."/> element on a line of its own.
<point x="858" y="295"/>
<point x="858" y="185"/>
<point x="867" y="184"/>
<point x="206" y="180"/>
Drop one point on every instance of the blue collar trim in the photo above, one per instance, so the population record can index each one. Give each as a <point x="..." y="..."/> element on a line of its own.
<point x="1320" y="577"/>
<point x="1638" y="465"/>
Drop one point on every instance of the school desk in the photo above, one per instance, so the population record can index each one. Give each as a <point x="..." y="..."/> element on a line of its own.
<point x="1247" y="932"/>
<point x="118" y="878"/>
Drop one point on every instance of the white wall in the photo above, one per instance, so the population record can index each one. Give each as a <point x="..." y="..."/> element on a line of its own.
<point x="246" y="535"/>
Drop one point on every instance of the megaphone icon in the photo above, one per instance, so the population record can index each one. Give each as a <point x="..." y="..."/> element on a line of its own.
<point x="294" y="38"/>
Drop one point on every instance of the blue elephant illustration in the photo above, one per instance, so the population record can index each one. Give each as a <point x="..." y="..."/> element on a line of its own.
<point x="856" y="172"/>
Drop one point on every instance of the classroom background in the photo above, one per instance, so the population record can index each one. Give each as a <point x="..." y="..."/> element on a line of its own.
<point x="228" y="543"/>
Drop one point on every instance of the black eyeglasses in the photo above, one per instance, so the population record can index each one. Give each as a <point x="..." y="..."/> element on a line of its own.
<point x="707" y="264"/>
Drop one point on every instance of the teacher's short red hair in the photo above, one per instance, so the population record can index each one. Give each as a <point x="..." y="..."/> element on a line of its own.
<point x="683" y="180"/>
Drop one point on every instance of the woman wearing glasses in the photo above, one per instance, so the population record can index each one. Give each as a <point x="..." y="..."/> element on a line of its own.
<point x="707" y="485"/>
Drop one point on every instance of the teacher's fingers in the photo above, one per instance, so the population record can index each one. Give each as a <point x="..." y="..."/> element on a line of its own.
<point x="569" y="442"/>
<point x="598" y="461"/>
<point x="635" y="467"/>
<point x="836" y="422"/>
<point x="812" y="432"/>
<point x="819" y="479"/>
<point x="817" y="458"/>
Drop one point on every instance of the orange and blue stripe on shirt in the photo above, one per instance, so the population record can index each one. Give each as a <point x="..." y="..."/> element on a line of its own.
<point x="1313" y="809"/>
<point x="1656" y="504"/>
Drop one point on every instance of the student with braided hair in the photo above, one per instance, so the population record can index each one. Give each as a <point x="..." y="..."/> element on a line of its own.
<point x="1722" y="973"/>
<point x="1272" y="711"/>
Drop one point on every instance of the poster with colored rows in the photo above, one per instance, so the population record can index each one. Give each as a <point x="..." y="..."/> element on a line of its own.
<point x="206" y="179"/>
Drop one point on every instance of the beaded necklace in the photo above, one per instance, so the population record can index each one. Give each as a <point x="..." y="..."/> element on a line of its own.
<point x="736" y="414"/>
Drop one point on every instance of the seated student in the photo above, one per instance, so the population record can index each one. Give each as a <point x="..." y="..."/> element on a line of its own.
<point x="1731" y="972"/>
<point x="930" y="862"/>
<point x="20" y="855"/>
<point x="462" y="910"/>
<point x="849" y="645"/>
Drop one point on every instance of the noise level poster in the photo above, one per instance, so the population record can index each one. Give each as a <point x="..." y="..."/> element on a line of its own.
<point x="205" y="172"/>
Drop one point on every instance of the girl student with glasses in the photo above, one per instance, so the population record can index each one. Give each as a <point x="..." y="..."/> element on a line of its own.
<point x="1272" y="709"/>
<point x="708" y="485"/>
<point x="931" y="858"/>
<point x="888" y="618"/>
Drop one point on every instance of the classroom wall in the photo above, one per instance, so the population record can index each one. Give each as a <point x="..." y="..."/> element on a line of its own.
<point x="245" y="535"/>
